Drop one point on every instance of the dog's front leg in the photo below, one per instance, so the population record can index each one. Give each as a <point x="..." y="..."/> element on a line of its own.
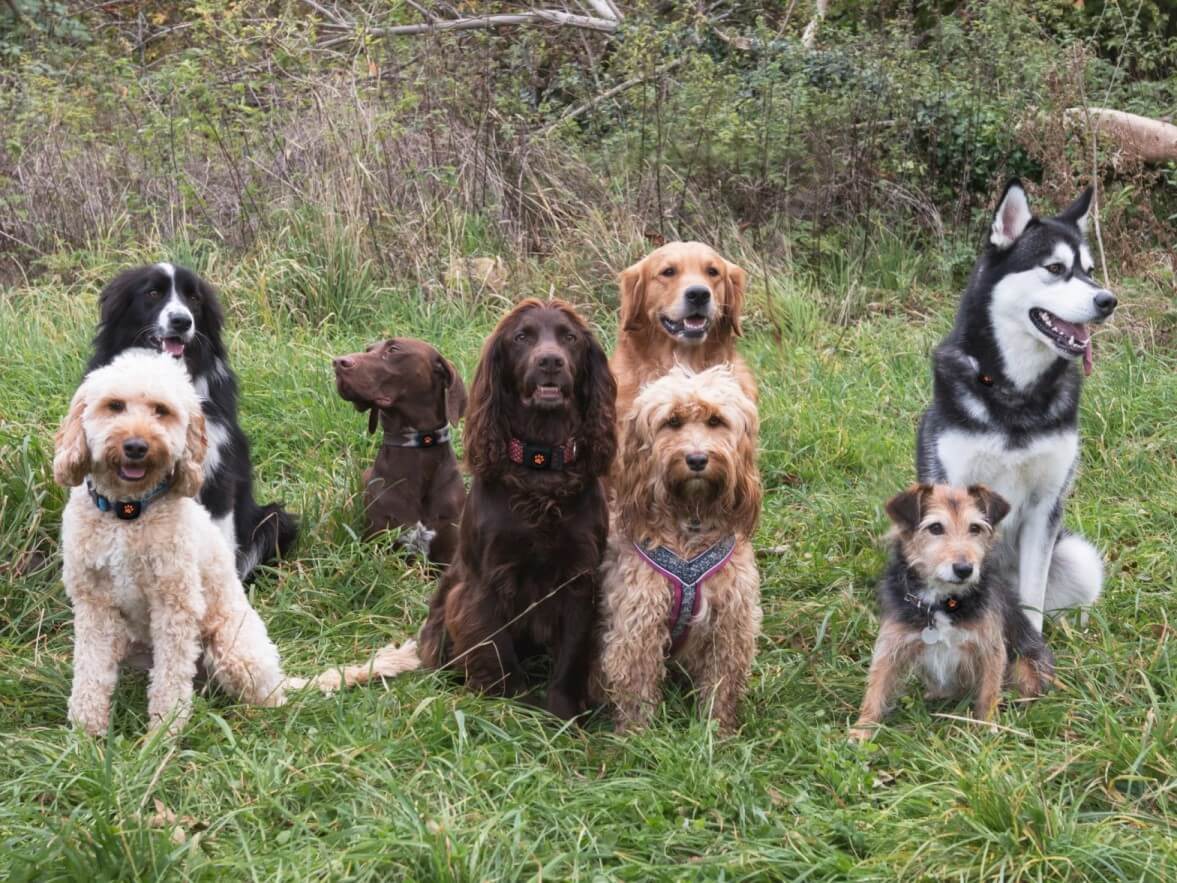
<point x="1040" y="528"/>
<point x="175" y="641"/>
<point x="722" y="673"/>
<point x="568" y="689"/>
<point x="100" y="642"/>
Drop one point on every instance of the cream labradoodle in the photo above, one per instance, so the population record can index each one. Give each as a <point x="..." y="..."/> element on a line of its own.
<point x="143" y="562"/>
<point x="680" y="578"/>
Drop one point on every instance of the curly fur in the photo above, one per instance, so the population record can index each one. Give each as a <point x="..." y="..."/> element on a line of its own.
<point x="662" y="502"/>
<point x="167" y="579"/>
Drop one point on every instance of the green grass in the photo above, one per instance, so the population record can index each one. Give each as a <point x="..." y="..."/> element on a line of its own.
<point x="424" y="781"/>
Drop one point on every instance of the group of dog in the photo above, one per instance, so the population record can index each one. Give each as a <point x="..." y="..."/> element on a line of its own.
<point x="608" y="525"/>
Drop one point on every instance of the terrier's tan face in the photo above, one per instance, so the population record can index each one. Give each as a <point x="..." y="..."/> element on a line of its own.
<point x="946" y="532"/>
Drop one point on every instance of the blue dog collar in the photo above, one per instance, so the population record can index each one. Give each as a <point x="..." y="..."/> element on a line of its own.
<point x="126" y="510"/>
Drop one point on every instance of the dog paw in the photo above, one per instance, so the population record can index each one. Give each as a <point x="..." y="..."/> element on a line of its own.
<point x="860" y="734"/>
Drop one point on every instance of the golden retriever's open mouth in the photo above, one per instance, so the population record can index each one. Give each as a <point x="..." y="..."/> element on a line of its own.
<point x="688" y="327"/>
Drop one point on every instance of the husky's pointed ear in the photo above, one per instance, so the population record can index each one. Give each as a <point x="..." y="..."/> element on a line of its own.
<point x="71" y="457"/>
<point x="1012" y="216"/>
<point x="990" y="502"/>
<point x="905" y="509"/>
<point x="1079" y="211"/>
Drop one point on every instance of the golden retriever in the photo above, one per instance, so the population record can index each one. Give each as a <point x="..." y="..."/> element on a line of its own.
<point x="680" y="305"/>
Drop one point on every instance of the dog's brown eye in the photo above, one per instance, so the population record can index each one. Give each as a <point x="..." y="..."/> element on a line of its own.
<point x="162" y="411"/>
<point x="154" y="294"/>
<point x="1055" y="269"/>
<point x="117" y="406"/>
<point x="667" y="272"/>
<point x="674" y="422"/>
<point x="712" y="271"/>
<point x="520" y="337"/>
<point x="975" y="529"/>
<point x="715" y="420"/>
<point x="570" y="337"/>
<point x="935" y="528"/>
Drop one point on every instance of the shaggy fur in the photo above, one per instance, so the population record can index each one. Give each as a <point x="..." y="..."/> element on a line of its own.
<point x="166" y="580"/>
<point x="680" y="305"/>
<point x="524" y="580"/>
<point x="946" y="613"/>
<point x="667" y="496"/>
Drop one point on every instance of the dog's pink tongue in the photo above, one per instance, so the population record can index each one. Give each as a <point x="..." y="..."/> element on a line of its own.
<point x="134" y="472"/>
<point x="173" y="347"/>
<point x="1088" y="358"/>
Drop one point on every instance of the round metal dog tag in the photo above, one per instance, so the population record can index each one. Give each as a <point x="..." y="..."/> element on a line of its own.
<point x="930" y="635"/>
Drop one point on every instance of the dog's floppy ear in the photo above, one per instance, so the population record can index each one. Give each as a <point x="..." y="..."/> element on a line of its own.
<point x="211" y="313"/>
<point x="71" y="456"/>
<point x="747" y="489"/>
<point x="736" y="282"/>
<point x="190" y="469"/>
<point x="597" y="397"/>
<point x="633" y="296"/>
<point x="486" y="435"/>
<point x="1079" y="211"/>
<point x="634" y="484"/>
<point x="455" y="390"/>
<point x="1012" y="217"/>
<point x="906" y="509"/>
<point x="990" y="502"/>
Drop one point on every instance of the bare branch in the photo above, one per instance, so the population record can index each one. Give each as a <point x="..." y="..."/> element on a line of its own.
<point x="809" y="37"/>
<point x="605" y="9"/>
<point x="609" y="93"/>
<point x="480" y="22"/>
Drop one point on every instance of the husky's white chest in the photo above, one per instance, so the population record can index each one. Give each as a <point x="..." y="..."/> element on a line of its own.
<point x="1025" y="476"/>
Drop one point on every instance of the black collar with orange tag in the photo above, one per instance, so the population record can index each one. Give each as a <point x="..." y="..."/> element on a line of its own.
<point x="126" y="510"/>
<point x="542" y="456"/>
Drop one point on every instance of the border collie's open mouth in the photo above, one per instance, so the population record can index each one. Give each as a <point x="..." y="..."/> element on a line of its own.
<point x="1069" y="338"/>
<point x="132" y="471"/>
<point x="688" y="327"/>
<point x="173" y="346"/>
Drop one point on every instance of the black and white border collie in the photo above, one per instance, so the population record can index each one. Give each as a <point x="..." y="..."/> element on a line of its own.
<point x="171" y="309"/>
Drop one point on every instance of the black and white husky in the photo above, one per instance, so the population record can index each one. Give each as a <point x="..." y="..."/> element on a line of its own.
<point x="1006" y="385"/>
<point x="169" y="308"/>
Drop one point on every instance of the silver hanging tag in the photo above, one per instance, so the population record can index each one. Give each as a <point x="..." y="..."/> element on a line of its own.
<point x="930" y="635"/>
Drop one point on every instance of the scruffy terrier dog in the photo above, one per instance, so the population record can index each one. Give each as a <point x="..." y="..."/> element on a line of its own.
<point x="680" y="578"/>
<point x="946" y="613"/>
<point x="144" y="563"/>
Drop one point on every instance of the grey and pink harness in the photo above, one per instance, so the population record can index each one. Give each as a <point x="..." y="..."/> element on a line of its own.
<point x="686" y="578"/>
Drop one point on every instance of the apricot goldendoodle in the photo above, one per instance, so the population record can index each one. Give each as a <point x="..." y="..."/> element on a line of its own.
<point x="144" y="564"/>
<point x="680" y="577"/>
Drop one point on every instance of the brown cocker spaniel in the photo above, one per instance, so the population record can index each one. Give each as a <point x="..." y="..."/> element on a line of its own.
<point x="539" y="438"/>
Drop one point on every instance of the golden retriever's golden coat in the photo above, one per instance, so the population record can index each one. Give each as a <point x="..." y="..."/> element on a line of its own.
<point x="656" y="296"/>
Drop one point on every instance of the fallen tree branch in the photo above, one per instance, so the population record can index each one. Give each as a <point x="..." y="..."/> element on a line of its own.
<point x="1152" y="141"/>
<point x="479" y="22"/>
<point x="809" y="36"/>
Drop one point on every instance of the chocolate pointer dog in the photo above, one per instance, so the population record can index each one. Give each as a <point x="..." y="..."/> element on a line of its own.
<point x="414" y="486"/>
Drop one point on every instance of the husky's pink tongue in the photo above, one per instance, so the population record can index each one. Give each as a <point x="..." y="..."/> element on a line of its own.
<point x="1088" y="359"/>
<point x="173" y="346"/>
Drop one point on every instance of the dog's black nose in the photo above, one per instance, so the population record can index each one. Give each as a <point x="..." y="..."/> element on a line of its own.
<point x="697" y="295"/>
<point x="697" y="462"/>
<point x="1105" y="302"/>
<point x="135" y="449"/>
<point x="179" y="322"/>
<point x="962" y="569"/>
<point x="551" y="362"/>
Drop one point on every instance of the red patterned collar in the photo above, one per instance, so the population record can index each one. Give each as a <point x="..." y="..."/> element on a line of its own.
<point x="542" y="456"/>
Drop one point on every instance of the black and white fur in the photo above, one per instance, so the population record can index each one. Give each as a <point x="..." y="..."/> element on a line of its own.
<point x="164" y="307"/>
<point x="1006" y="385"/>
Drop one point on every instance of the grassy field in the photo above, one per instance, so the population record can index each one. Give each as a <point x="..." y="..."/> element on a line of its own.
<point x="423" y="781"/>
